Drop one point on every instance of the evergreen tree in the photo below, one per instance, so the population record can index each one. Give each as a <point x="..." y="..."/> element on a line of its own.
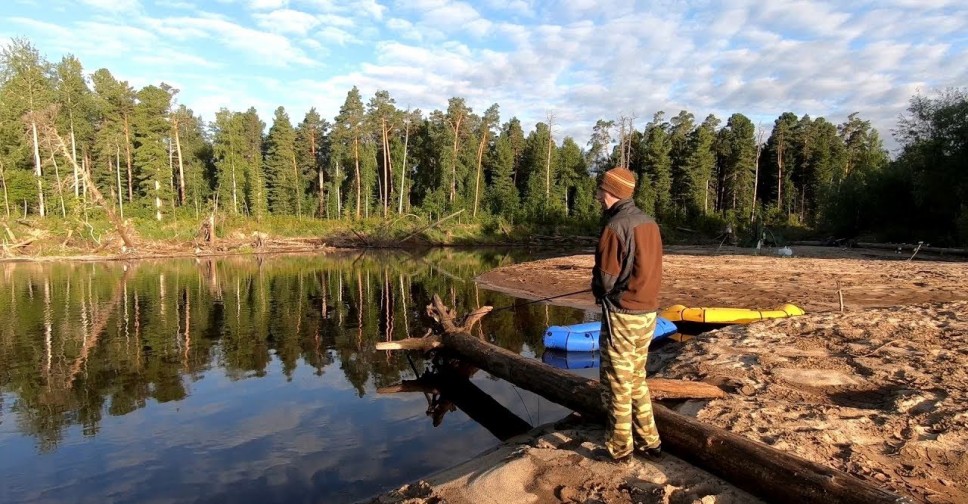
<point x="77" y="112"/>
<point x="25" y="84"/>
<point x="251" y="129"/>
<point x="779" y="160"/>
<point x="503" y="195"/>
<point x="429" y="150"/>
<point x="538" y="204"/>
<point x="382" y="116"/>
<point x="229" y="164"/>
<point x="151" y="155"/>
<point x="311" y="153"/>
<point x="492" y="117"/>
<point x="681" y="128"/>
<point x="573" y="174"/>
<point x="934" y="156"/>
<point x="515" y="134"/>
<point x="456" y="119"/>
<point x="116" y="104"/>
<point x="657" y="164"/>
<point x="197" y="165"/>
<point x="828" y="156"/>
<point x="700" y="163"/>
<point x="347" y="139"/>
<point x="737" y="165"/>
<point x="282" y="176"/>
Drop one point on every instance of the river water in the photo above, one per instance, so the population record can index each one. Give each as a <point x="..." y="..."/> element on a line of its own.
<point x="244" y="379"/>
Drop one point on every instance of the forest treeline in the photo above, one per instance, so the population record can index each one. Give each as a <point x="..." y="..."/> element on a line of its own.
<point x="152" y="157"/>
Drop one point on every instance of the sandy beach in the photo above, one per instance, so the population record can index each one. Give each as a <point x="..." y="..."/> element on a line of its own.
<point x="879" y="390"/>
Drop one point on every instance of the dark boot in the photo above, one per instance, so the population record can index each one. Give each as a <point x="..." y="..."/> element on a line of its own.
<point x="651" y="453"/>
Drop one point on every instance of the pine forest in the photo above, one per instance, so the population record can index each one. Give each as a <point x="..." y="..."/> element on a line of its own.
<point x="77" y="146"/>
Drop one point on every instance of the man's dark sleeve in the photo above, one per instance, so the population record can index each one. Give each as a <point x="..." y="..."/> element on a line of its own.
<point x="607" y="264"/>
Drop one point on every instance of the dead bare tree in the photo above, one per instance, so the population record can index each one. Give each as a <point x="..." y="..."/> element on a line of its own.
<point x="175" y="125"/>
<point x="551" y="143"/>
<point x="46" y="125"/>
<point x="756" y="169"/>
<point x="403" y="172"/>
<point x="3" y="182"/>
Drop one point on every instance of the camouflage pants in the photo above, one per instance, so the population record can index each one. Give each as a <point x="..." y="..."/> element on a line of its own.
<point x="624" y="344"/>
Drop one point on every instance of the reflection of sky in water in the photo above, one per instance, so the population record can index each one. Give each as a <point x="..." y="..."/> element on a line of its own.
<point x="305" y="438"/>
<point x="254" y="440"/>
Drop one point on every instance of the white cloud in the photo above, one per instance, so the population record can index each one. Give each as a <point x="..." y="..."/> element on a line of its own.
<point x="287" y="21"/>
<point x="253" y="45"/>
<point x="268" y="4"/>
<point x="405" y="28"/>
<point x="169" y="59"/>
<point x="336" y="36"/>
<point x="175" y="4"/>
<point x="371" y="7"/>
<point x="114" y="5"/>
<point x="336" y="20"/>
<point x="585" y="60"/>
<point x="353" y="8"/>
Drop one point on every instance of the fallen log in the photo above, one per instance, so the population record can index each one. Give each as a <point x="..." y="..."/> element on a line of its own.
<point x="660" y="388"/>
<point x="449" y="390"/>
<point x="910" y="247"/>
<point x="758" y="468"/>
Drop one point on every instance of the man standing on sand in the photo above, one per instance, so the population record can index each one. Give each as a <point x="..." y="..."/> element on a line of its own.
<point x="625" y="281"/>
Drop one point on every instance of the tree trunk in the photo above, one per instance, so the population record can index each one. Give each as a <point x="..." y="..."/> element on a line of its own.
<point x="77" y="192"/>
<point x="60" y="188"/>
<point x="779" y="176"/>
<point x="403" y="172"/>
<point x="3" y="182"/>
<point x="756" y="181"/>
<point x="385" y="193"/>
<point x="760" y="469"/>
<point x="321" y="209"/>
<point x="171" y="176"/>
<point x="127" y="153"/>
<point x="705" y="203"/>
<point x="480" y="160"/>
<point x="158" y="200"/>
<point x="356" y="159"/>
<point x="181" y="168"/>
<point x="38" y="171"/>
<point x="118" y="224"/>
<point x="297" y="185"/>
<point x="117" y="168"/>
<point x="453" y="178"/>
<point x="339" y="196"/>
<point x="235" y="189"/>
<point x="85" y="167"/>
<point x="548" y="165"/>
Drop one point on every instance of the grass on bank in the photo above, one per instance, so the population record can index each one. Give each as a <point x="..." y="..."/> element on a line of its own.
<point x="95" y="235"/>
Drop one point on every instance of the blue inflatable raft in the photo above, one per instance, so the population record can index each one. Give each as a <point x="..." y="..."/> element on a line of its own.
<point x="584" y="337"/>
<point x="570" y="360"/>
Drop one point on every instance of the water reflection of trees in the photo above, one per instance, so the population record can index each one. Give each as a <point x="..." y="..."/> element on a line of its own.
<point x="81" y="340"/>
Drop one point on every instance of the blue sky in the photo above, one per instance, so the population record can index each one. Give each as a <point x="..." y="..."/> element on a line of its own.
<point x="577" y="60"/>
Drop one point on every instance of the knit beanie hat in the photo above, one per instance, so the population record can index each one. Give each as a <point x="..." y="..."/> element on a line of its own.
<point x="618" y="181"/>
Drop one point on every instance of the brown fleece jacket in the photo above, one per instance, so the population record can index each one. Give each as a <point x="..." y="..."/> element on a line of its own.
<point x="628" y="260"/>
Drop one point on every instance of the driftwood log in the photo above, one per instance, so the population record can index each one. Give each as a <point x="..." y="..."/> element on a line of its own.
<point x="660" y="388"/>
<point x="756" y="467"/>
<point x="448" y="390"/>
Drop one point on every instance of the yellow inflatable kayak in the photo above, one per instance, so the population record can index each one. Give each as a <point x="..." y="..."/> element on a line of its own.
<point x="679" y="313"/>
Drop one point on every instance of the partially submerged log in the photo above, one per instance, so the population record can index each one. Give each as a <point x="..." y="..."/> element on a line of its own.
<point x="660" y="388"/>
<point x="761" y="469"/>
<point x="448" y="390"/>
